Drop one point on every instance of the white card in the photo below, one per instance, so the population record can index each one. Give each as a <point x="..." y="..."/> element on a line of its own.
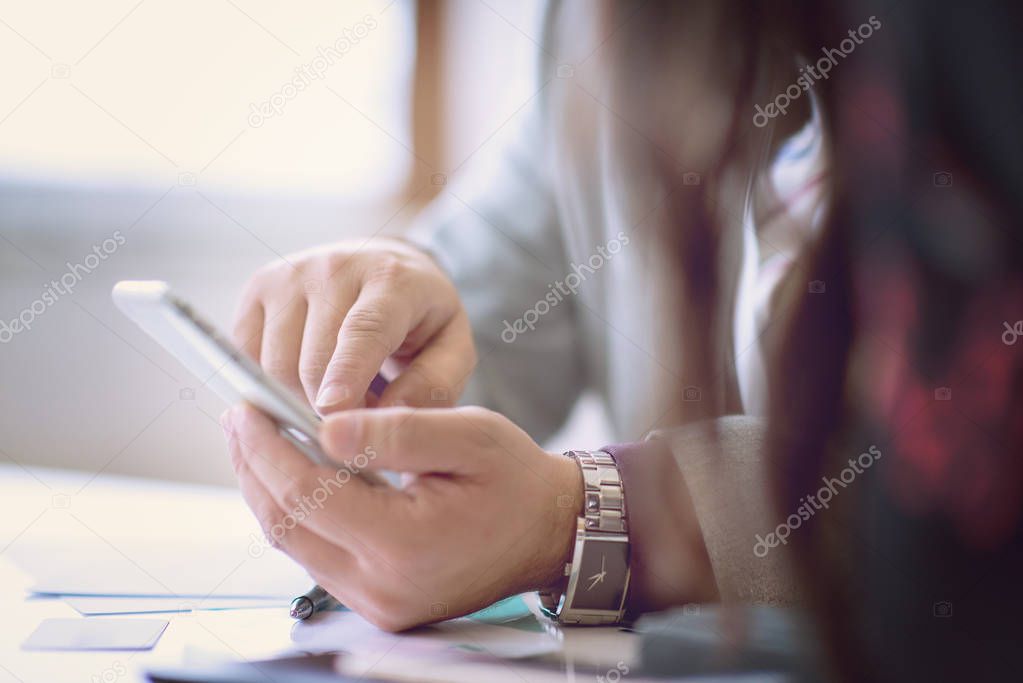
<point x="96" y="634"/>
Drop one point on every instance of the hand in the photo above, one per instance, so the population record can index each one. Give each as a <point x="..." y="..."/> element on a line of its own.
<point x="323" y="322"/>
<point x="487" y="513"/>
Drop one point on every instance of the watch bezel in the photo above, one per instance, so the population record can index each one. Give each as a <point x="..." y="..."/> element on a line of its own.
<point x="564" y="611"/>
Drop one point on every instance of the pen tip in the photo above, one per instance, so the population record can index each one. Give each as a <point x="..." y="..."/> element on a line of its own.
<point x="301" y="608"/>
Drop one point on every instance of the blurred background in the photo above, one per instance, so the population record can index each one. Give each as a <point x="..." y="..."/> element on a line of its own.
<point x="193" y="141"/>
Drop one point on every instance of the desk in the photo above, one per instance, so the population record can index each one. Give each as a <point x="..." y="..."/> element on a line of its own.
<point x="57" y="510"/>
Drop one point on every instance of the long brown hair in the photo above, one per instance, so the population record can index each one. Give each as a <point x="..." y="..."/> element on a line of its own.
<point x="708" y="63"/>
<point x="817" y="417"/>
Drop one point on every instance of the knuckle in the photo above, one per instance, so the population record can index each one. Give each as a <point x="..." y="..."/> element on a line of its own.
<point x="310" y="375"/>
<point x="312" y="367"/>
<point x="479" y="416"/>
<point x="271" y="521"/>
<point x="269" y="274"/>
<point x="385" y="610"/>
<point x="389" y="268"/>
<point x="297" y="489"/>
<point x="480" y="428"/>
<point x="391" y="622"/>
<point x="278" y="367"/>
<point x="365" y="322"/>
<point x="344" y="364"/>
<point x="244" y="422"/>
<point x="254" y="286"/>
<point x="381" y="619"/>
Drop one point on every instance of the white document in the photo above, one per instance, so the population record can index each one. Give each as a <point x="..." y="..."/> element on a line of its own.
<point x="160" y="568"/>
<point x="92" y="606"/>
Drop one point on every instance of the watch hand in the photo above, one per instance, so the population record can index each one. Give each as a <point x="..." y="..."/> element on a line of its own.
<point x="597" y="578"/>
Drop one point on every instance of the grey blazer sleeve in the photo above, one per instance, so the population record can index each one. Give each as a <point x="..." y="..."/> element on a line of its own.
<point x="725" y="468"/>
<point x="494" y="229"/>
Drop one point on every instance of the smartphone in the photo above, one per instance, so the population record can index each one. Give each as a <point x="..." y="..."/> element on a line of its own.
<point x="216" y="363"/>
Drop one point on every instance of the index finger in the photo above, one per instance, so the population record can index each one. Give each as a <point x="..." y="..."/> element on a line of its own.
<point x="373" y="329"/>
<point x="314" y="495"/>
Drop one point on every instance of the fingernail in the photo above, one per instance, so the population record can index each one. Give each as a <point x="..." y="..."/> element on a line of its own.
<point x="331" y="395"/>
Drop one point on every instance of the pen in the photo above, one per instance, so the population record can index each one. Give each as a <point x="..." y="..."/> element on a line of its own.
<point x="314" y="600"/>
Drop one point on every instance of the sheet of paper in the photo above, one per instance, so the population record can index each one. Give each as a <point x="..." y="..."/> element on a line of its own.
<point x="96" y="634"/>
<point x="147" y="568"/>
<point x="91" y="606"/>
<point x="457" y="639"/>
<point x="414" y="669"/>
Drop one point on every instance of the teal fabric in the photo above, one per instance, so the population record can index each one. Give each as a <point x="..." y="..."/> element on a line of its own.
<point x="511" y="612"/>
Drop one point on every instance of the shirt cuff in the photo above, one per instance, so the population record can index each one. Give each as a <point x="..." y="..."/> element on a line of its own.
<point x="667" y="557"/>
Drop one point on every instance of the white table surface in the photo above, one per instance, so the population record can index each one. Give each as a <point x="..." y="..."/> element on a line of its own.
<point x="59" y="510"/>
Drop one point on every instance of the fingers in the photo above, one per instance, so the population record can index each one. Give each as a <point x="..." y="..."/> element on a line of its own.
<point x="282" y="529"/>
<point x="374" y="327"/>
<point x="334" y="504"/>
<point x="368" y="588"/>
<point x="437" y="375"/>
<point x="282" y="343"/>
<point x="248" y="327"/>
<point x="319" y="340"/>
<point x="409" y="439"/>
<point x="298" y="345"/>
<point x="388" y="301"/>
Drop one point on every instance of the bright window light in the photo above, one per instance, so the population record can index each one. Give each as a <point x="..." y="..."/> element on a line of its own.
<point x="252" y="95"/>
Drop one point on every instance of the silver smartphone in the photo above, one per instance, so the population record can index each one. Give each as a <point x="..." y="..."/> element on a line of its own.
<point x="216" y="363"/>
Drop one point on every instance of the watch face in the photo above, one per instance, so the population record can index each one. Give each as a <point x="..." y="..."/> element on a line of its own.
<point x="601" y="575"/>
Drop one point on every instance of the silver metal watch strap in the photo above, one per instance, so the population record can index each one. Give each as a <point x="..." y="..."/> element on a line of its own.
<point x="604" y="504"/>
<point x="604" y="519"/>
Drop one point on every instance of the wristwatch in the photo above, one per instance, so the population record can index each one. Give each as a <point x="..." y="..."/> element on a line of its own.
<point x="597" y="578"/>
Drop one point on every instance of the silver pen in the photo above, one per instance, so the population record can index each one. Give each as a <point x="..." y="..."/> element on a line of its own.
<point x="314" y="600"/>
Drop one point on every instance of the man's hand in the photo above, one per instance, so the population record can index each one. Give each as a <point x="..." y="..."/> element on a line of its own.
<point x="487" y="513"/>
<point x="323" y="322"/>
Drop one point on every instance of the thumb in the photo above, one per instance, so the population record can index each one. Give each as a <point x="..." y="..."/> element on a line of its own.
<point x="436" y="376"/>
<point x="403" y="439"/>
